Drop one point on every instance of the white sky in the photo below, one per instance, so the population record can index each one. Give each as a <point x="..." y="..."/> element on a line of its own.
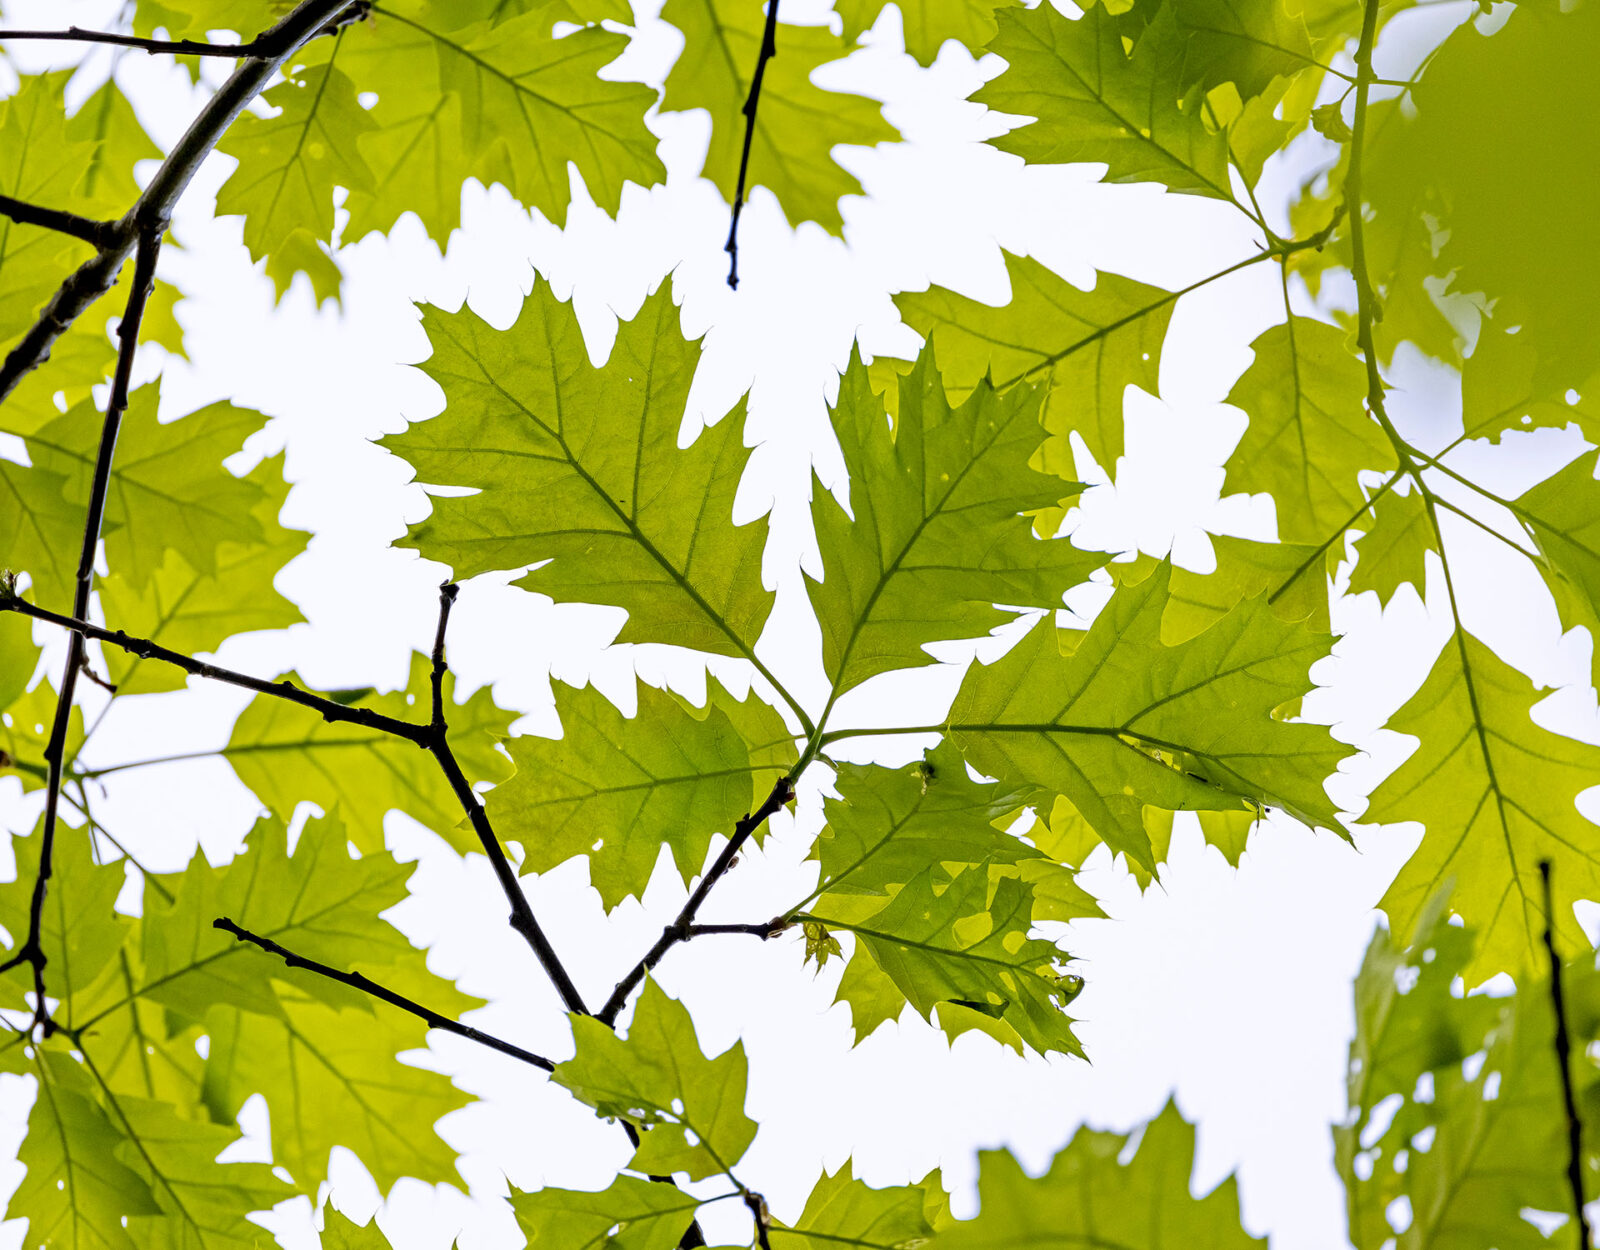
<point x="1231" y="988"/>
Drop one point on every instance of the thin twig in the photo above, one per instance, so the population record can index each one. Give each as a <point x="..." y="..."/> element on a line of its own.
<point x="447" y="597"/>
<point x="760" y="1216"/>
<point x="32" y="949"/>
<point x="184" y="47"/>
<point x="437" y="742"/>
<point x="153" y="208"/>
<point x="1564" y="1062"/>
<point x="368" y="986"/>
<point x="682" y="928"/>
<point x="98" y="233"/>
<point x="145" y="649"/>
<point x="765" y="931"/>
<point x="523" y="920"/>
<point x="769" y="49"/>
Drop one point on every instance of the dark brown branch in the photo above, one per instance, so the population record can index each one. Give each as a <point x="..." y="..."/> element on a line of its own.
<point x="98" y="233"/>
<point x="1564" y="1063"/>
<point x="438" y="742"/>
<point x="32" y="949"/>
<point x="147" y="650"/>
<point x="766" y="932"/>
<point x="153" y="208"/>
<point x="760" y="1216"/>
<point x="368" y="986"/>
<point x="185" y="47"/>
<point x="447" y="597"/>
<point x="769" y="49"/>
<point x="681" y="929"/>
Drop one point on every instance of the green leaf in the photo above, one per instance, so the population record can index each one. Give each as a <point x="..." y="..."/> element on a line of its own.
<point x="40" y="164"/>
<point x="290" y="163"/>
<point x="340" y="1232"/>
<point x="1410" y="1020"/>
<point x="1126" y="720"/>
<point x="287" y="754"/>
<point x="319" y="902"/>
<point x="631" y="1214"/>
<point x="196" y="613"/>
<point x="889" y="825"/>
<point x="203" y="1203"/>
<point x="1563" y="511"/>
<point x="1501" y="391"/>
<point x="1244" y="42"/>
<point x="958" y="947"/>
<point x="1084" y="347"/>
<point x="25" y="730"/>
<point x="107" y="120"/>
<point x="140" y="1047"/>
<point x="80" y="930"/>
<point x="19" y="657"/>
<point x="580" y="467"/>
<point x="1393" y="552"/>
<point x="40" y="533"/>
<point x="76" y="1193"/>
<point x="936" y="538"/>
<point x="1512" y="219"/>
<point x="928" y="24"/>
<point x="798" y="124"/>
<point x="168" y="490"/>
<point x="842" y="1209"/>
<point x="507" y="102"/>
<point x="1495" y="793"/>
<point x="1094" y="103"/>
<point x="332" y="1078"/>
<point x="1091" y="1197"/>
<point x="658" y="1079"/>
<point x="1292" y="576"/>
<point x="1309" y="433"/>
<point x="618" y="789"/>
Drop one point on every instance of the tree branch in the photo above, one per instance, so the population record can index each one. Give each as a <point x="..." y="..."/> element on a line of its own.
<point x="1564" y="1062"/>
<point x="32" y="950"/>
<point x="766" y="931"/>
<point x="438" y="742"/>
<point x="183" y="47"/>
<point x="98" y="233"/>
<point x="368" y="986"/>
<point x="683" y="927"/>
<point x="151" y="211"/>
<point x="145" y="649"/>
<point x="769" y="49"/>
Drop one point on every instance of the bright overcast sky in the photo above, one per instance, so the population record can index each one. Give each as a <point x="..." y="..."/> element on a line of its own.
<point x="1230" y="988"/>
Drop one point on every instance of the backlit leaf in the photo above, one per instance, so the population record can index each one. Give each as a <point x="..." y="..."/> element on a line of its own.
<point x="1126" y="720"/>
<point x="658" y="1079"/>
<point x="1495" y="793"/>
<point x="618" y="789"/>
<point x="935" y="537"/>
<point x="580" y="467"/>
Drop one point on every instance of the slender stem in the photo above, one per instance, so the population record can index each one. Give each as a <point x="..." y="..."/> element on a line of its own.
<point x="447" y="597"/>
<point x="98" y="233"/>
<point x="368" y="986"/>
<point x="184" y="47"/>
<point x="437" y="741"/>
<point x="681" y="929"/>
<point x="31" y="951"/>
<point x="766" y="931"/>
<point x="1564" y="1062"/>
<point x="328" y="709"/>
<point x="769" y="49"/>
<point x="759" y="1216"/>
<point x="154" y="206"/>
